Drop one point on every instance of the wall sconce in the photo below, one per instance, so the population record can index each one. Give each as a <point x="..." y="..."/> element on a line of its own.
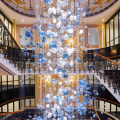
<point x="46" y="81"/>
<point x="71" y="42"/>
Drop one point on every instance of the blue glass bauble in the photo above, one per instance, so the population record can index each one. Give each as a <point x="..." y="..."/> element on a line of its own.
<point x="65" y="92"/>
<point x="41" y="55"/>
<point x="38" y="44"/>
<point x="80" y="112"/>
<point x="65" y="55"/>
<point x="39" y="61"/>
<point x="46" y="99"/>
<point x="95" y="92"/>
<point x="65" y="75"/>
<point x="77" y="23"/>
<point x="33" y="50"/>
<point x="31" y="37"/>
<point x="35" y="27"/>
<point x="40" y="27"/>
<point x="81" y="83"/>
<point x="31" y="30"/>
<point x="28" y="45"/>
<point x="59" y="113"/>
<point x="103" y="88"/>
<point x="79" y="107"/>
<point x="59" y="98"/>
<point x="90" y="66"/>
<point x="61" y="118"/>
<point x="30" y="70"/>
<point x="31" y="43"/>
<point x="79" y="60"/>
<point x="67" y="66"/>
<point x="70" y="35"/>
<point x="78" y="93"/>
<point x="22" y="51"/>
<point x="35" y="56"/>
<point x="82" y="0"/>
<point x="88" y="9"/>
<point x="35" y="63"/>
<point x="86" y="99"/>
<point x="93" y="98"/>
<point x="51" y="35"/>
<point x="82" y="39"/>
<point x="48" y="1"/>
<point x="20" y="36"/>
<point x="78" y="17"/>
<point x="78" y="10"/>
<point x="70" y="109"/>
<point x="53" y="81"/>
<point x="78" y="88"/>
<point x="59" y="69"/>
<point x="25" y="49"/>
<point x="78" y="101"/>
<point x="95" y="115"/>
<point x="52" y="45"/>
<point x="27" y="33"/>
<point x="41" y="33"/>
<point x="38" y="21"/>
<point x="43" y="60"/>
<point x="84" y="80"/>
<point x="26" y="54"/>
<point x="88" y="86"/>
<point x="84" y="109"/>
<point x="43" y="39"/>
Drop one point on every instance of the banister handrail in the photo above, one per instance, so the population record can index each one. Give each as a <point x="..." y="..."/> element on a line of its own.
<point x="2" y="114"/>
<point x="16" y="99"/>
<point x="10" y="34"/>
<point x="16" y="80"/>
<point x="107" y="100"/>
<point x="113" y="39"/>
<point x="107" y="59"/>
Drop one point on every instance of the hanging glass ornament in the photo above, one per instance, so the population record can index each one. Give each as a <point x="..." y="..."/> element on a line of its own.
<point x="35" y="27"/>
<point x="27" y="33"/>
<point x="41" y="55"/>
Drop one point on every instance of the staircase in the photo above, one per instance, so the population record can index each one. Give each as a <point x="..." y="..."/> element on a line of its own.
<point x="13" y="62"/>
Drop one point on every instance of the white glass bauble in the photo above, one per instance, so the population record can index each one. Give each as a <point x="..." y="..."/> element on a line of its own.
<point x="66" y="36"/>
<point x="50" y="10"/>
<point x="71" y="17"/>
<point x="60" y="83"/>
<point x="65" y="118"/>
<point x="81" y="31"/>
<point x="47" y="105"/>
<point x="54" y="20"/>
<point x="58" y="25"/>
<point x="75" y="17"/>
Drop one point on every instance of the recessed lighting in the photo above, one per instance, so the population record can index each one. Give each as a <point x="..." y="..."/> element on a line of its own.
<point x="103" y="20"/>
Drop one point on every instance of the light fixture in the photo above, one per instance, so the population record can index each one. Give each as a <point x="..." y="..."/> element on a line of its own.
<point x="103" y="20"/>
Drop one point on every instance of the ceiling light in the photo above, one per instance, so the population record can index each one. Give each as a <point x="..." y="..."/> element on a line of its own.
<point x="103" y="20"/>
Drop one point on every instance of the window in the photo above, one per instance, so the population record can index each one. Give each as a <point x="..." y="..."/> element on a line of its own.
<point x="6" y="21"/>
<point x="111" y="32"/>
<point x="107" y="35"/>
<point x="116" y="28"/>
<point x="16" y="105"/>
